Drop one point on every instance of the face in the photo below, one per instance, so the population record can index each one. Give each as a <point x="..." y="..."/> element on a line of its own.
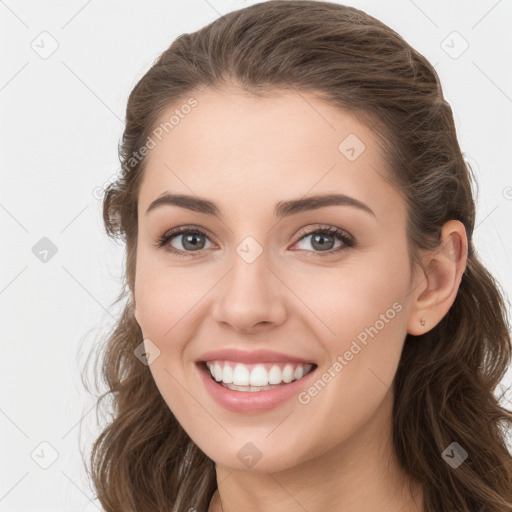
<point x="275" y="280"/>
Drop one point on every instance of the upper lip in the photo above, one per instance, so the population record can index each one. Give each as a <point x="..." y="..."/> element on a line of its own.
<point x="250" y="357"/>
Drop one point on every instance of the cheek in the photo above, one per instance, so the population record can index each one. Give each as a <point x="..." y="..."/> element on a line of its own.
<point x="170" y="307"/>
<point x="353" y="301"/>
<point x="363" y="326"/>
<point x="371" y="309"/>
<point x="164" y="295"/>
<point x="367" y="313"/>
<point x="165" y="300"/>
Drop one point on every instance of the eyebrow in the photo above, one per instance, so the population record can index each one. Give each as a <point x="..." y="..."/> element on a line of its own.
<point x="282" y="208"/>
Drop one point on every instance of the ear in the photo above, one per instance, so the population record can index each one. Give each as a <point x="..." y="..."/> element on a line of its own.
<point x="437" y="284"/>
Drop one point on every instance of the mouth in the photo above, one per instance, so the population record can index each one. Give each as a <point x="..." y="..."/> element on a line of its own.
<point x="255" y="377"/>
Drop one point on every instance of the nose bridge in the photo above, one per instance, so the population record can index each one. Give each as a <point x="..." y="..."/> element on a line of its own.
<point x="249" y="265"/>
<point x="250" y="293"/>
<point x="250" y="276"/>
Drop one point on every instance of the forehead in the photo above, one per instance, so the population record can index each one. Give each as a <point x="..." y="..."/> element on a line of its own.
<point x="248" y="149"/>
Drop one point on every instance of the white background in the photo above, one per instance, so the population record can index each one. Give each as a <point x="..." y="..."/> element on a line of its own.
<point x="61" y="121"/>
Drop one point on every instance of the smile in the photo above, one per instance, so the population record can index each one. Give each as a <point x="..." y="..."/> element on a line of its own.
<point x="242" y="398"/>
<point x="256" y="377"/>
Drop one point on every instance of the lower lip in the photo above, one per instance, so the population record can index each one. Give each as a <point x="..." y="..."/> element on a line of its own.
<point x="251" y="401"/>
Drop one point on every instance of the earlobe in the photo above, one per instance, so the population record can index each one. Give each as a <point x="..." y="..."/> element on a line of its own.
<point x="438" y="285"/>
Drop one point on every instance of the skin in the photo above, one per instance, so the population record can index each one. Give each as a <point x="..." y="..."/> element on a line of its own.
<point x="246" y="154"/>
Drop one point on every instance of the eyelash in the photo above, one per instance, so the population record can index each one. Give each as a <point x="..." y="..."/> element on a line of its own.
<point x="341" y="235"/>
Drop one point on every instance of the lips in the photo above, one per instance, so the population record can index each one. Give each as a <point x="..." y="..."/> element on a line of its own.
<point x="246" y="401"/>
<point x="251" y="357"/>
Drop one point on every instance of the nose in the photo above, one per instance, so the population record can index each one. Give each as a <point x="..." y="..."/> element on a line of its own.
<point x="250" y="297"/>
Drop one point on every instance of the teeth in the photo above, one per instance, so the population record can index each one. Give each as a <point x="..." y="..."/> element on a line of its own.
<point x="288" y="373"/>
<point x="259" y="376"/>
<point x="248" y="388"/>
<point x="227" y="374"/>
<point x="217" y="371"/>
<point x="274" y="375"/>
<point x="241" y="375"/>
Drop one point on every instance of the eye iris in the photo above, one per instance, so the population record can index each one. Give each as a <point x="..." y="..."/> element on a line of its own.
<point x="322" y="245"/>
<point x="192" y="238"/>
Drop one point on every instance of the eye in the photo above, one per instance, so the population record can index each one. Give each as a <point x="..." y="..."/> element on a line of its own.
<point x="191" y="240"/>
<point x="324" y="238"/>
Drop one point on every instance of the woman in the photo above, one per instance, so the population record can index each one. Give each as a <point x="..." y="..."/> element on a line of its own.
<point x="310" y="325"/>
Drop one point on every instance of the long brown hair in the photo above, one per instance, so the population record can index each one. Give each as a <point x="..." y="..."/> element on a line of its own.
<point x="444" y="387"/>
